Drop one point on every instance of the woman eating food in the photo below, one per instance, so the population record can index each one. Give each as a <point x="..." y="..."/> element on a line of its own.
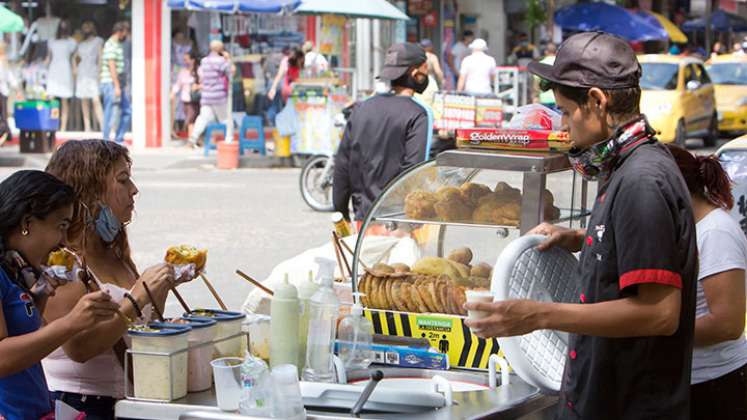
<point x="35" y="212"/>
<point x="719" y="370"/>
<point x="87" y="372"/>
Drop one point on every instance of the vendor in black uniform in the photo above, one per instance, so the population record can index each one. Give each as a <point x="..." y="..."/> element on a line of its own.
<point x="631" y="340"/>
<point x="385" y="134"/>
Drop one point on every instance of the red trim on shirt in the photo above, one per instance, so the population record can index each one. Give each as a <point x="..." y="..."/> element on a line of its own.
<point x="657" y="276"/>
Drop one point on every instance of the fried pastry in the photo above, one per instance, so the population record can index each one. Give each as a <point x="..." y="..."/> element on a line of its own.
<point x="419" y="205"/>
<point x="471" y="193"/>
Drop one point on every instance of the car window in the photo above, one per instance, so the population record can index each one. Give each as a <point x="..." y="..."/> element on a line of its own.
<point x="659" y="76"/>
<point x="704" y="77"/>
<point x="728" y="73"/>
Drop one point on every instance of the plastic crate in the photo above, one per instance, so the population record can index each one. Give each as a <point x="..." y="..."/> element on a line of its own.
<point x="37" y="115"/>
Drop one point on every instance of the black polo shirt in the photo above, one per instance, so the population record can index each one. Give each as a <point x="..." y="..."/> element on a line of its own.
<point x="641" y="230"/>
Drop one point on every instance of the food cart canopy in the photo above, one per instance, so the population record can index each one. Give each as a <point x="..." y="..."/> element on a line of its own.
<point x="605" y="17"/>
<point x="9" y="21"/>
<point x="236" y="6"/>
<point x="721" y="21"/>
<point x="367" y="9"/>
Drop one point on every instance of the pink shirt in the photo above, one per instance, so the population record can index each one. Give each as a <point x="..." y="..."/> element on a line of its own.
<point x="183" y="85"/>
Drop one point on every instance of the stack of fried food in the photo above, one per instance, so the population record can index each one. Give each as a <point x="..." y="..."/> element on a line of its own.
<point x="431" y="285"/>
<point x="474" y="202"/>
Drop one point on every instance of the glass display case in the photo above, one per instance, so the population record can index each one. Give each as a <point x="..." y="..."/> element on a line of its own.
<point x="469" y="198"/>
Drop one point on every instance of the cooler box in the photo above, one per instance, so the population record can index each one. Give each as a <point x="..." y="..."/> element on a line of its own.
<point x="37" y="115"/>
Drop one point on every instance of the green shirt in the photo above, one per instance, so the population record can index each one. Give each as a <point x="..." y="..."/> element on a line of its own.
<point x="112" y="51"/>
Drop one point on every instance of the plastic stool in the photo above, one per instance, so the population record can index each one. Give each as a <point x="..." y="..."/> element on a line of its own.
<point x="209" y="145"/>
<point x="250" y="122"/>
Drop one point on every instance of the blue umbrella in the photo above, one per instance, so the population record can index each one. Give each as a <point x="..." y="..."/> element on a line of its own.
<point x="585" y="17"/>
<point x="236" y="6"/>
<point x="721" y="21"/>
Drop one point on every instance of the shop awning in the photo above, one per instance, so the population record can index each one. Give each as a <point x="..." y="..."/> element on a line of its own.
<point x="236" y="6"/>
<point x="9" y="21"/>
<point x="721" y="21"/>
<point x="605" y="17"/>
<point x="368" y="9"/>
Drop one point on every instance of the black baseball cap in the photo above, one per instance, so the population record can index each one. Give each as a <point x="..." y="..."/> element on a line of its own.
<point x="399" y="58"/>
<point x="592" y="59"/>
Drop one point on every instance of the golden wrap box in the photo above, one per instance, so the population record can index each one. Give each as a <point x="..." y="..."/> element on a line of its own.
<point x="512" y="139"/>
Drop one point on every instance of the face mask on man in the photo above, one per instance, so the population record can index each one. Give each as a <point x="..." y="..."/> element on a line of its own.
<point x="413" y="83"/>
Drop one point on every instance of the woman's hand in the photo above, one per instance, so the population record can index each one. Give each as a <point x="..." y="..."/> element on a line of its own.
<point x="568" y="239"/>
<point x="159" y="278"/>
<point x="271" y="94"/>
<point x="91" y="309"/>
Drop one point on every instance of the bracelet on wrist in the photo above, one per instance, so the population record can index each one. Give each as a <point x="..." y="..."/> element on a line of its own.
<point x="135" y="305"/>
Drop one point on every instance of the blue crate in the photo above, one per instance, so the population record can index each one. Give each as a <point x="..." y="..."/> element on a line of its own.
<point x="37" y="115"/>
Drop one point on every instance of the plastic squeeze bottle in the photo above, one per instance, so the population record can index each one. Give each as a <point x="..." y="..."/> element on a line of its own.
<point x="305" y="291"/>
<point x="355" y="337"/>
<point x="324" y="309"/>
<point x="284" y="325"/>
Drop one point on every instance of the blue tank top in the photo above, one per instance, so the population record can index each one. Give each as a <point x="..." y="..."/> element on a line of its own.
<point x="23" y="395"/>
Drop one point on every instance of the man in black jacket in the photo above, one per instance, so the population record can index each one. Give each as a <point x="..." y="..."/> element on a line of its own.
<point x="385" y="134"/>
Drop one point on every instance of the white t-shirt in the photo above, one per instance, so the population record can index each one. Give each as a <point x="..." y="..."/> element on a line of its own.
<point x="315" y="62"/>
<point x="722" y="246"/>
<point x="459" y="51"/>
<point x="478" y="70"/>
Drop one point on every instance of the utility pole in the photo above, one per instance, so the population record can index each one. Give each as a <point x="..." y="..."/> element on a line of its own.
<point x="708" y="34"/>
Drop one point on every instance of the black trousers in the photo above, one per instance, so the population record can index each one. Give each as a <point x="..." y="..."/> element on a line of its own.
<point x="723" y="398"/>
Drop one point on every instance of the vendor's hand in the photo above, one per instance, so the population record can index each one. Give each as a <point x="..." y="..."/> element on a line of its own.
<point x="557" y="236"/>
<point x="158" y="278"/>
<point x="271" y="93"/>
<point x="90" y="309"/>
<point x="507" y="318"/>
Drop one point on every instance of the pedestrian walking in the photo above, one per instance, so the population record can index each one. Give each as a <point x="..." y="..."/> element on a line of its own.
<point x="213" y="73"/>
<point x="477" y="70"/>
<point x="112" y="71"/>
<point x="458" y="52"/>
<point x="290" y="69"/>
<point x="719" y="369"/>
<point x="631" y="330"/>
<point x="186" y="90"/>
<point x="385" y="134"/>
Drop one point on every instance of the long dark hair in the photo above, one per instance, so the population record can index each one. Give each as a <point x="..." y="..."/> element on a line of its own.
<point x="296" y="58"/>
<point x="30" y="193"/>
<point x="705" y="177"/>
<point x="87" y="166"/>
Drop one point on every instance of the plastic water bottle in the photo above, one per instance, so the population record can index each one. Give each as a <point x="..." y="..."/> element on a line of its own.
<point x="324" y="309"/>
<point x="255" y="386"/>
<point x="355" y="337"/>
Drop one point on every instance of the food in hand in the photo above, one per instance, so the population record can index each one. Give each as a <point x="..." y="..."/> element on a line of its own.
<point x="461" y="255"/>
<point x="187" y="254"/>
<point x="419" y="205"/>
<point x="481" y="269"/>
<point x="61" y="258"/>
<point x="471" y="193"/>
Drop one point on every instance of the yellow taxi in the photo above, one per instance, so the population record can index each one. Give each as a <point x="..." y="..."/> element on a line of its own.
<point x="729" y="76"/>
<point x="677" y="97"/>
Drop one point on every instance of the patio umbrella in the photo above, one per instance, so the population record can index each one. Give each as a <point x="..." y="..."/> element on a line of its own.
<point x="675" y="34"/>
<point x="721" y="21"/>
<point x="9" y="21"/>
<point x="236" y="6"/>
<point x="604" y="17"/>
<point x="370" y="9"/>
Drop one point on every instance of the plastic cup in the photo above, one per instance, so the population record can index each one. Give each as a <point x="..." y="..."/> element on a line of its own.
<point x="227" y="374"/>
<point x="484" y="296"/>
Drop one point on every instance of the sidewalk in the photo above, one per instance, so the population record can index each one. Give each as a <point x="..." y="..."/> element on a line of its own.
<point x="173" y="155"/>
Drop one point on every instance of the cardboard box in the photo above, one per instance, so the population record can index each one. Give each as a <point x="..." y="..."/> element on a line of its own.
<point x="510" y="139"/>
<point x="446" y="333"/>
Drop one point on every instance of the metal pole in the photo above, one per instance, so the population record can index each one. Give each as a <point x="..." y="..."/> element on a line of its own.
<point x="708" y="34"/>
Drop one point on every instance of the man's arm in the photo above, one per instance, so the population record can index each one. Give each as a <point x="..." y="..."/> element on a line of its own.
<point x="655" y="310"/>
<point x="341" y="188"/>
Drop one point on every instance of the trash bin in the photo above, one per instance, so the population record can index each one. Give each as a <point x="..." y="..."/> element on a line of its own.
<point x="38" y="121"/>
